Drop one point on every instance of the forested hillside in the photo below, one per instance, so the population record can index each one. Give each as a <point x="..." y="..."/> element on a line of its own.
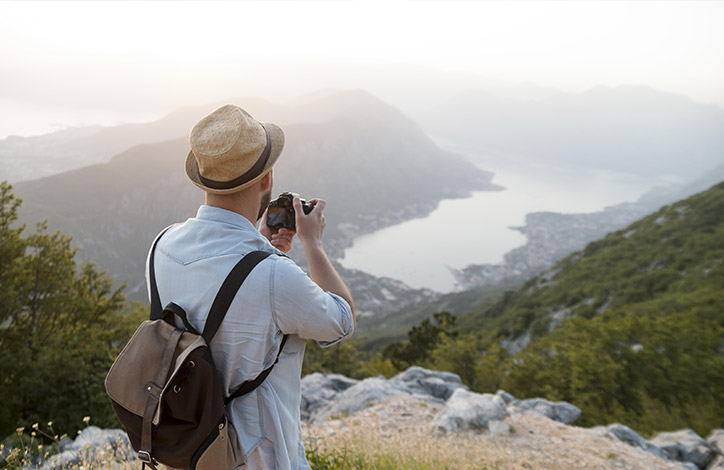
<point x="631" y="328"/>
<point x="676" y="251"/>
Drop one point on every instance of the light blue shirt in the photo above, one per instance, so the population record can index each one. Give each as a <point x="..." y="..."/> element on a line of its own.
<point x="192" y="259"/>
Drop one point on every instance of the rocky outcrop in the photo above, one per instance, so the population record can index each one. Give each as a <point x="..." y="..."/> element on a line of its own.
<point x="557" y="411"/>
<point x="328" y="399"/>
<point x="470" y="411"/>
<point x="356" y="398"/>
<point x="630" y="437"/>
<point x="466" y="411"/>
<point x="716" y="441"/>
<point x="319" y="389"/>
<point x="686" y="446"/>
<point x="88" y="445"/>
<point x="417" y="380"/>
<point x="329" y="395"/>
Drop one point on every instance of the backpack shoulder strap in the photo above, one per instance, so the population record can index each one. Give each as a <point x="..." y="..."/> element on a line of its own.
<point x="221" y="305"/>
<point x="156" y="308"/>
<point x="228" y="290"/>
<point x="250" y="385"/>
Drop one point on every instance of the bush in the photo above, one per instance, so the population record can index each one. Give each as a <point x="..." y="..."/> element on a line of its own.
<point x="61" y="326"/>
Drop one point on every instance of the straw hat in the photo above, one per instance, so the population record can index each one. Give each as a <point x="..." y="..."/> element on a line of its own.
<point x="230" y="150"/>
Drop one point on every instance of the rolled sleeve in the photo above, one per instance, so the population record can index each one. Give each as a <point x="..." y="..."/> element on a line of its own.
<point x="301" y="307"/>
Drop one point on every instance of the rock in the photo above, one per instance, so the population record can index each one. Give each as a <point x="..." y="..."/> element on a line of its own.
<point x="65" y="459"/>
<point x="685" y="446"/>
<point x="88" y="444"/>
<point x="717" y="464"/>
<point x="417" y="380"/>
<point x="65" y="444"/>
<point x="498" y="427"/>
<point x="632" y="438"/>
<point x="561" y="411"/>
<point x="688" y="466"/>
<point x="356" y="397"/>
<point x="93" y="438"/>
<point x="716" y="440"/>
<point x="468" y="410"/>
<point x="506" y="397"/>
<point x="319" y="389"/>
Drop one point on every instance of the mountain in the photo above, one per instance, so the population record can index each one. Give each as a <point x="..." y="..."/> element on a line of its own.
<point x="373" y="165"/>
<point x="628" y="129"/>
<point x="673" y="258"/>
<point x="27" y="158"/>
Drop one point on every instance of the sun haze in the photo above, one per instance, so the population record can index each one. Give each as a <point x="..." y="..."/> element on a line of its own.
<point x="91" y="61"/>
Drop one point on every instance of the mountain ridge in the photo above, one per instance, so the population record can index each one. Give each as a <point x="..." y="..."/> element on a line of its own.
<point x="114" y="209"/>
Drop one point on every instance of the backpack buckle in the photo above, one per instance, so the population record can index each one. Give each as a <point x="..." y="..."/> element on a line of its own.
<point x="144" y="456"/>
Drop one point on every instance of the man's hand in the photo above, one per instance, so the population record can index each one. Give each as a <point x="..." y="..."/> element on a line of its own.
<point x="280" y="238"/>
<point x="310" y="226"/>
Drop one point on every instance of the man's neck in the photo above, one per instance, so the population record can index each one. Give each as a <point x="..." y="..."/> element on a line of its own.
<point x="234" y="203"/>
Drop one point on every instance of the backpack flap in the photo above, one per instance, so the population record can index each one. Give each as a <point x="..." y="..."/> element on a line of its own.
<point x="137" y="365"/>
<point x="180" y="360"/>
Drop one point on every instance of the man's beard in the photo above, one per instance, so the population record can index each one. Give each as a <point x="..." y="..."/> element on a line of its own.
<point x="265" y="200"/>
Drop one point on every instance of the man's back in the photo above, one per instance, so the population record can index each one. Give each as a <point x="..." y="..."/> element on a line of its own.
<point x="278" y="298"/>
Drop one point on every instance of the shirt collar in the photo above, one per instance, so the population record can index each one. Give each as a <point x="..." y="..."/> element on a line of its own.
<point x="217" y="214"/>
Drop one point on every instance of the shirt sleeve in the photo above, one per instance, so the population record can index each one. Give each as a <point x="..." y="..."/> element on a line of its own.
<point x="301" y="307"/>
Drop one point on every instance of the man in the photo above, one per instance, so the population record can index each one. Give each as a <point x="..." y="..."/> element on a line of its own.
<point x="231" y="159"/>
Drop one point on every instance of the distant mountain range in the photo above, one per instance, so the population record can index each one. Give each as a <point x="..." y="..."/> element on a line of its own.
<point x="374" y="165"/>
<point x="135" y="185"/>
<point x="628" y="129"/>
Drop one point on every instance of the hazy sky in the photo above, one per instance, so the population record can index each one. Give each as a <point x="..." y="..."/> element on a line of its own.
<point x="65" y="63"/>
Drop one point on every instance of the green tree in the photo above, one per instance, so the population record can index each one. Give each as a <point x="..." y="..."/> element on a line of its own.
<point x="421" y="341"/>
<point x="61" y="326"/>
<point x="341" y="358"/>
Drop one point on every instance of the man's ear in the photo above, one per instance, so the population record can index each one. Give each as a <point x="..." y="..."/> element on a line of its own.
<point x="266" y="181"/>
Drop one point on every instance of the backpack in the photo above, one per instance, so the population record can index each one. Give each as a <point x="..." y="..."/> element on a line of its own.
<point x="166" y="391"/>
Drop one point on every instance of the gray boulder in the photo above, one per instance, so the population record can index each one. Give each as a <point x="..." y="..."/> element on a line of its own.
<point x="86" y="446"/>
<point x="561" y="411"/>
<point x="688" y="466"/>
<point x="417" y="380"/>
<point x="716" y="440"/>
<point x="65" y="459"/>
<point x="466" y="410"/>
<point x="717" y="464"/>
<point x="685" y="446"/>
<point x="95" y="437"/>
<point x="356" y="398"/>
<point x="498" y="427"/>
<point x="320" y="389"/>
<point x="65" y="444"/>
<point x="632" y="438"/>
<point x="507" y="397"/>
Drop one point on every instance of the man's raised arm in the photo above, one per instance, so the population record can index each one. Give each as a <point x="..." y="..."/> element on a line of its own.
<point x="309" y="230"/>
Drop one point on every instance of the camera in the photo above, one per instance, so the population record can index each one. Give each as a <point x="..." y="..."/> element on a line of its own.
<point x="281" y="211"/>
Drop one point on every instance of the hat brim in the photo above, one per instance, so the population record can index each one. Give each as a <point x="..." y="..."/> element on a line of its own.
<point x="276" y="136"/>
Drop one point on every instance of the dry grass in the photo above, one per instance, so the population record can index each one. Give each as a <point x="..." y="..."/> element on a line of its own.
<point x="395" y="434"/>
<point x="398" y="430"/>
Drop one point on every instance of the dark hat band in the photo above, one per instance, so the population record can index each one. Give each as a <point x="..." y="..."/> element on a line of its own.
<point x="252" y="173"/>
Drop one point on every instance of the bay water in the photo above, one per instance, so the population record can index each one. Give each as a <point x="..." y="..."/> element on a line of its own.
<point x="477" y="229"/>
